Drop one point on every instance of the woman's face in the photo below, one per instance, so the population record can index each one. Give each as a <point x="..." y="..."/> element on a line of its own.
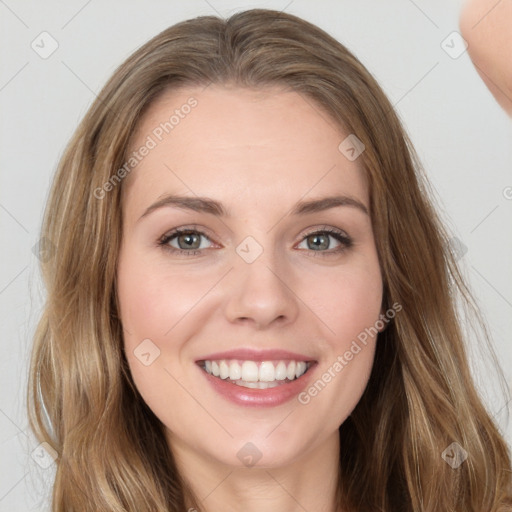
<point x="277" y="271"/>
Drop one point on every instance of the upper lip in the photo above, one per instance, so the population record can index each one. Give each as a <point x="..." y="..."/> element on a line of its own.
<point x="248" y="354"/>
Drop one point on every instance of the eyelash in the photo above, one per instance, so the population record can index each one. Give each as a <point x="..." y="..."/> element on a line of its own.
<point x="345" y="241"/>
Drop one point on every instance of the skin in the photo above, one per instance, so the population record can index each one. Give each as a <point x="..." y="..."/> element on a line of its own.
<point x="258" y="153"/>
<point x="486" y="25"/>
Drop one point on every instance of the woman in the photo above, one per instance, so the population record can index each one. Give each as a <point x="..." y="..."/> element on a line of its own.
<point x="251" y="302"/>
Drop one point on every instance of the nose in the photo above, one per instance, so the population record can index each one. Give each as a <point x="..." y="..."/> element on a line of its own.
<point x="261" y="293"/>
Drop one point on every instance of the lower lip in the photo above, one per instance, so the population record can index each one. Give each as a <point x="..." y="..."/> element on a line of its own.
<point x="250" y="397"/>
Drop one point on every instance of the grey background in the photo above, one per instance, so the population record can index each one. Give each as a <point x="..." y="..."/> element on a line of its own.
<point x="460" y="133"/>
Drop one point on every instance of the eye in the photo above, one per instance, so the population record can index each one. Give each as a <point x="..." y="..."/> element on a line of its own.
<point x="184" y="241"/>
<point x="189" y="242"/>
<point x="321" y="241"/>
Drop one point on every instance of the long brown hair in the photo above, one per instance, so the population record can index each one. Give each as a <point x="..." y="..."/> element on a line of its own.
<point x="420" y="398"/>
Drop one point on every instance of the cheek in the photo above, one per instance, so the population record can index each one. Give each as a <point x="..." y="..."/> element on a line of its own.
<point x="350" y="309"/>
<point x="154" y="300"/>
<point x="347" y="301"/>
<point x="356" y="309"/>
<point x="152" y="303"/>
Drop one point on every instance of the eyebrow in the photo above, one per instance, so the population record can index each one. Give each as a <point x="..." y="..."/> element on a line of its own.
<point x="213" y="207"/>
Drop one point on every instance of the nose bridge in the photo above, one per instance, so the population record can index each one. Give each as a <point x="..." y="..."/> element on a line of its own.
<point x="260" y="290"/>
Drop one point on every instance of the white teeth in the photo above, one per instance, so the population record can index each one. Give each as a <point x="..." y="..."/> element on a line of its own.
<point x="281" y="371"/>
<point x="266" y="385"/>
<point x="256" y="385"/>
<point x="290" y="372"/>
<point x="253" y="385"/>
<point x="224" y="370"/>
<point x="267" y="371"/>
<point x="235" y="371"/>
<point x="247" y="373"/>
<point x="300" y="369"/>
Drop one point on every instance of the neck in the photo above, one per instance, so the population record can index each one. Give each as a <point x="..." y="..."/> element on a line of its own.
<point x="309" y="482"/>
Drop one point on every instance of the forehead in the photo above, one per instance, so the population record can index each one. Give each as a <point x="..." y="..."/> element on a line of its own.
<point x="242" y="145"/>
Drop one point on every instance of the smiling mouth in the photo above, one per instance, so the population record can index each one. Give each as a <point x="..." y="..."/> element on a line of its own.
<point x="256" y="374"/>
